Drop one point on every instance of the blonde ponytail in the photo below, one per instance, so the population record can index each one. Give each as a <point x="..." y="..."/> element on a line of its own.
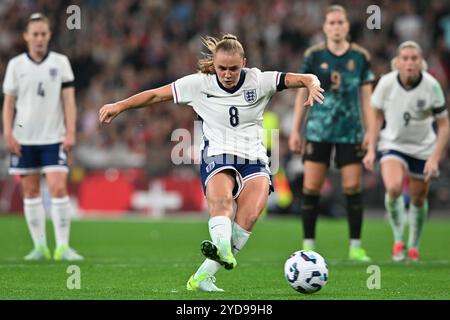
<point x="229" y="43"/>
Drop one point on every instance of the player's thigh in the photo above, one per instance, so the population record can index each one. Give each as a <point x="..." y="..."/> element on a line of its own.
<point x="251" y="201"/>
<point x="219" y="193"/>
<point x="30" y="184"/>
<point x="348" y="158"/>
<point x="316" y="159"/>
<point x="57" y="183"/>
<point x="418" y="189"/>
<point x="393" y="172"/>
<point x="314" y="175"/>
<point x="351" y="176"/>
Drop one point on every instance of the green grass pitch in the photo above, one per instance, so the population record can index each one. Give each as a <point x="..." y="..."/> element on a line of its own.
<point x="144" y="259"/>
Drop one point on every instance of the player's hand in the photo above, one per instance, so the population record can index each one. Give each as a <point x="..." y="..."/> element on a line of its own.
<point x="431" y="169"/>
<point x="108" y="112"/>
<point x="296" y="143"/>
<point x="12" y="145"/>
<point x="365" y="143"/>
<point x="315" y="91"/>
<point x="369" y="160"/>
<point x="69" y="142"/>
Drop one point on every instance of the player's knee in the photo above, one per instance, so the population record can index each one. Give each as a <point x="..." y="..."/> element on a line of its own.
<point x="418" y="202"/>
<point x="250" y="219"/>
<point x="220" y="204"/>
<point x="31" y="190"/>
<point x="394" y="191"/>
<point x="58" y="191"/>
<point x="351" y="184"/>
<point x="312" y="191"/>
<point x="352" y="189"/>
<point x="418" y="199"/>
<point x="31" y="193"/>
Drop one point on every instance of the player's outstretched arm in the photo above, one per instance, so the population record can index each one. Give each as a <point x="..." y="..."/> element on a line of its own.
<point x="144" y="99"/>
<point x="310" y="81"/>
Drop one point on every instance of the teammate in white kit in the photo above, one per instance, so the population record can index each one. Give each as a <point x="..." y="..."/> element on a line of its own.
<point x="230" y="99"/>
<point x="408" y="99"/>
<point x="39" y="115"/>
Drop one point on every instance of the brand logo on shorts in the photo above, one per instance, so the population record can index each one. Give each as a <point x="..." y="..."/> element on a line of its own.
<point x="359" y="151"/>
<point x="62" y="156"/>
<point x="14" y="160"/>
<point x="210" y="166"/>
<point x="309" y="148"/>
<point x="250" y="95"/>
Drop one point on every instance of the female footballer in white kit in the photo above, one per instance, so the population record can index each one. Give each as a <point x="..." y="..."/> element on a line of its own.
<point x="409" y="100"/>
<point x="39" y="115"/>
<point x="230" y="100"/>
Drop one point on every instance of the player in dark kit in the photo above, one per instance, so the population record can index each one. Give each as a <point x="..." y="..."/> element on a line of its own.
<point x="337" y="127"/>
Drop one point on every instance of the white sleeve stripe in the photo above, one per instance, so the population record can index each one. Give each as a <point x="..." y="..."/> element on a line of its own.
<point x="442" y="114"/>
<point x="10" y="92"/>
<point x="174" y="92"/>
<point x="278" y="79"/>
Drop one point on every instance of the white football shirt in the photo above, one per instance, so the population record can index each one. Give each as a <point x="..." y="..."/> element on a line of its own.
<point x="232" y="119"/>
<point x="37" y="87"/>
<point x="409" y="114"/>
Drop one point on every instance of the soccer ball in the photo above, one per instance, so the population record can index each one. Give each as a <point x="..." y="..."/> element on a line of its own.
<point x="306" y="271"/>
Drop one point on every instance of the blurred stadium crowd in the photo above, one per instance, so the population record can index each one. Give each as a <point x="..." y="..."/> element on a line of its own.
<point x="127" y="46"/>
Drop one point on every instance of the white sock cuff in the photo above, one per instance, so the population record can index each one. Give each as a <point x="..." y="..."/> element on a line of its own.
<point x="62" y="200"/>
<point x="219" y="220"/>
<point x="355" y="243"/>
<point x="32" y="201"/>
<point x="237" y="229"/>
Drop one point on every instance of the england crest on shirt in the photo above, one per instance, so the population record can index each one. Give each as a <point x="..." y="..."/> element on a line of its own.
<point x="250" y="95"/>
<point x="53" y="73"/>
<point x="421" y="103"/>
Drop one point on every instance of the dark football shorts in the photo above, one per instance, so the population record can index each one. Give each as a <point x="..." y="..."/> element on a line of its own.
<point x="39" y="159"/>
<point x="244" y="169"/>
<point x="344" y="153"/>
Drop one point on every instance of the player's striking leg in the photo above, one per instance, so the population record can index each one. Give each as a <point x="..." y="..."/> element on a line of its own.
<point x="220" y="205"/>
<point x="239" y="237"/>
<point x="250" y="204"/>
<point x="218" y="251"/>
